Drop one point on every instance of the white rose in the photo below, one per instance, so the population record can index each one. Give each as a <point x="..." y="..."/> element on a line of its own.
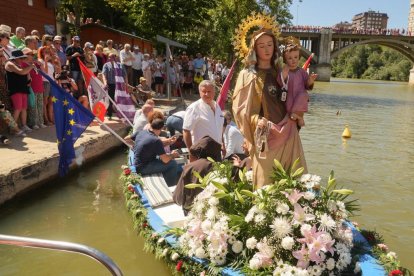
<point x="200" y="253"/>
<point x="165" y="252"/>
<point x="287" y="243"/>
<point x="237" y="247"/>
<point x="175" y="256"/>
<point x="160" y="240"/>
<point x="330" y="264"/>
<point x="282" y="208"/>
<point x="309" y="196"/>
<point x="251" y="243"/>
<point x="392" y="255"/>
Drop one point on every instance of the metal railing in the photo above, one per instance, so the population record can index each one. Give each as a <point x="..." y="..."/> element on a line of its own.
<point x="63" y="246"/>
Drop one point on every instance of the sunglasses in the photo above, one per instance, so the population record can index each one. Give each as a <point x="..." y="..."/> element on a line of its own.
<point x="6" y="37"/>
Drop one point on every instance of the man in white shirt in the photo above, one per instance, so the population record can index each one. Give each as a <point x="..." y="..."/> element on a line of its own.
<point x="126" y="59"/>
<point x="203" y="117"/>
<point x="137" y="66"/>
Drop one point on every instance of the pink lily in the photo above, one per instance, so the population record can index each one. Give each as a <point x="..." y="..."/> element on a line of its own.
<point x="299" y="215"/>
<point x="294" y="196"/>
<point x="302" y="256"/>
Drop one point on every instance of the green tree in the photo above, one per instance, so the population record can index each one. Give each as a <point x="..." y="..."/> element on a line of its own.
<point x="372" y="62"/>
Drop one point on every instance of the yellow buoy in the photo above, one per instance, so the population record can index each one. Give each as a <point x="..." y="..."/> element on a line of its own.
<point x="346" y="133"/>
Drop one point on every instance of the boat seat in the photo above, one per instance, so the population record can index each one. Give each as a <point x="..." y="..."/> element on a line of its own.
<point x="156" y="190"/>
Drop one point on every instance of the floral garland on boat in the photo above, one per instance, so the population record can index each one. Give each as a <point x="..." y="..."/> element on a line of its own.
<point x="295" y="226"/>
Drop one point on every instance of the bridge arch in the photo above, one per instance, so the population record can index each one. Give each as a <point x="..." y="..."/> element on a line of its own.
<point x="402" y="47"/>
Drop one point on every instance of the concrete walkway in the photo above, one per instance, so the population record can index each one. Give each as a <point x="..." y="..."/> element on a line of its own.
<point x="34" y="159"/>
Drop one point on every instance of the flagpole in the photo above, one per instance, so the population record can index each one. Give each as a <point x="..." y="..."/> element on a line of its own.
<point x="119" y="110"/>
<point x="106" y="94"/>
<point x="113" y="132"/>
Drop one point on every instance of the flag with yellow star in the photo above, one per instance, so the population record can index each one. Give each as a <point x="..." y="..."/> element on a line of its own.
<point x="71" y="119"/>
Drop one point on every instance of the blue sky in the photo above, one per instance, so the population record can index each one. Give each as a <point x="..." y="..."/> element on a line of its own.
<point x="329" y="12"/>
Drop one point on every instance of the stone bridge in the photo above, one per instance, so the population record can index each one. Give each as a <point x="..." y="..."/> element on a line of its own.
<point x="327" y="45"/>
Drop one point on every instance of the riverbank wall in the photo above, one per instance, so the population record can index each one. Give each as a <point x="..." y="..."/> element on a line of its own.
<point x="30" y="161"/>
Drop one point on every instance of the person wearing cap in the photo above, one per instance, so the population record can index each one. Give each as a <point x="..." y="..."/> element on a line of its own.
<point x="126" y="59"/>
<point x="74" y="51"/>
<point x="144" y="89"/>
<point x="18" y="83"/>
<point x="18" y="39"/>
<point x="57" y="45"/>
<point x="137" y="72"/>
<point x="90" y="59"/>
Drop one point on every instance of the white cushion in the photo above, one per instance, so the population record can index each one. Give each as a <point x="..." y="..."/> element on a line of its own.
<point x="156" y="190"/>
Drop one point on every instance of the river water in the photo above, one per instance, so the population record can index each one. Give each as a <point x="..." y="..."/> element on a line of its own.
<point x="377" y="163"/>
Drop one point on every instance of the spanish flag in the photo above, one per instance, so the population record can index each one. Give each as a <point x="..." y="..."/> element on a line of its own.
<point x="98" y="97"/>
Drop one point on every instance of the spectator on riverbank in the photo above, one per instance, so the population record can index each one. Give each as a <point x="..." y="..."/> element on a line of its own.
<point x="137" y="72"/>
<point x="8" y="124"/>
<point x="17" y="83"/>
<point x="126" y="59"/>
<point x="74" y="51"/>
<point x="18" y="39"/>
<point x="109" y="49"/>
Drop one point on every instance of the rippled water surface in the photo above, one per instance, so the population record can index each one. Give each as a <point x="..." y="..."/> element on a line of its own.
<point x="377" y="163"/>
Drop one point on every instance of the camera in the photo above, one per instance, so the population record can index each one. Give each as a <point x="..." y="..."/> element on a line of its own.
<point x="63" y="75"/>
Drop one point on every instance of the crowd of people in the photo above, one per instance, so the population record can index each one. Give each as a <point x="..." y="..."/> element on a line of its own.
<point x="347" y="30"/>
<point x="25" y="100"/>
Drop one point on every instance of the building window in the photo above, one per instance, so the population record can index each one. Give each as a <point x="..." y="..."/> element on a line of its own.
<point x="30" y="2"/>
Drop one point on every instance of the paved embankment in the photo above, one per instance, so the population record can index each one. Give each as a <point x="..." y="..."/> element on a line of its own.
<point x="32" y="160"/>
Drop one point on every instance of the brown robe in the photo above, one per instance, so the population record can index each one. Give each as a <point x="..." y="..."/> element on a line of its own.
<point x="249" y="104"/>
<point x="206" y="147"/>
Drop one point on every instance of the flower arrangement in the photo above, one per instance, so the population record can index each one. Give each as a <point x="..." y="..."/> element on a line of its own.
<point x="294" y="226"/>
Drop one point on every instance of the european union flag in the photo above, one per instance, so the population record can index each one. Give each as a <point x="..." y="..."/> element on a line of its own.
<point x="71" y="119"/>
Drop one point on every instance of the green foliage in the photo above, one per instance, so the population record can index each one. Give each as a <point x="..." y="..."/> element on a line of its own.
<point x="371" y="62"/>
<point x="205" y="26"/>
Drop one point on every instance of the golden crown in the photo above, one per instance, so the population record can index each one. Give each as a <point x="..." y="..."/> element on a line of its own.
<point x="291" y="40"/>
<point x="263" y="21"/>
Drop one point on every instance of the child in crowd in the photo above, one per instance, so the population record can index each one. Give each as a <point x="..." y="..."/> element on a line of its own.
<point x="197" y="79"/>
<point x="295" y="82"/>
<point x="7" y="121"/>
